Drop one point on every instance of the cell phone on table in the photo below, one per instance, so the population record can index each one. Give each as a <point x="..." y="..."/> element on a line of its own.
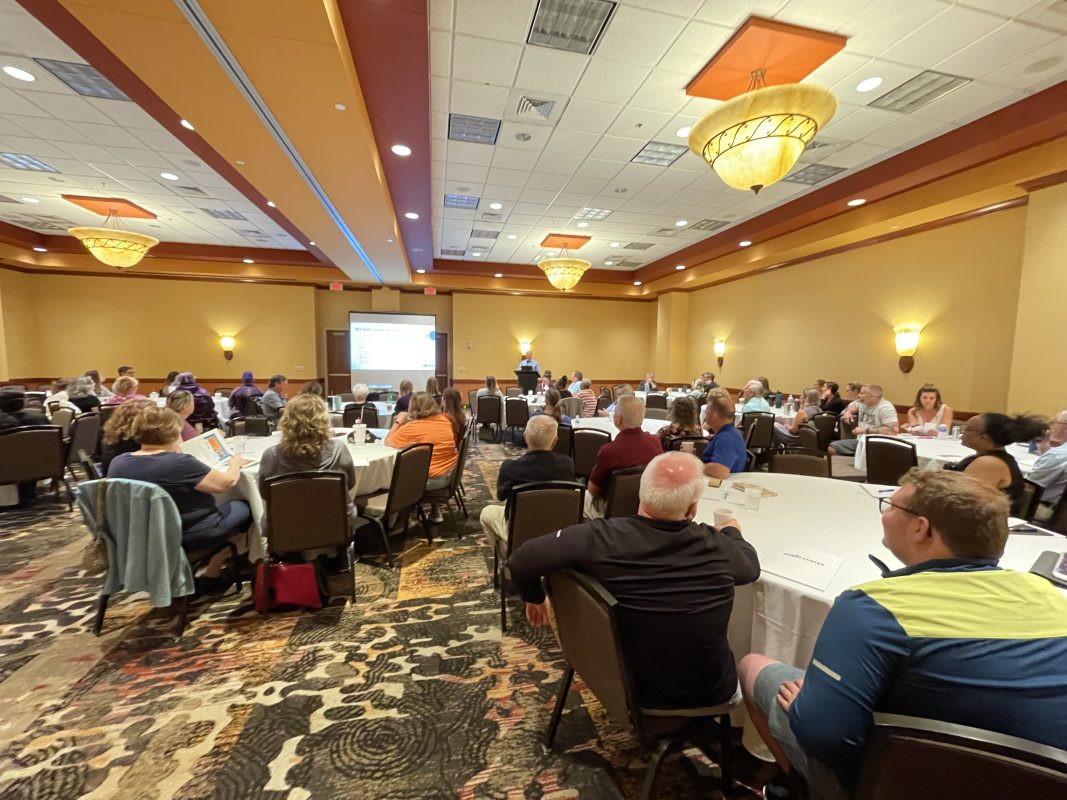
<point x="1060" y="570"/>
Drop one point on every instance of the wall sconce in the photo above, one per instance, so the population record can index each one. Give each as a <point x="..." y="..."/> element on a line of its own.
<point x="720" y="350"/>
<point x="907" y="341"/>
<point x="524" y="347"/>
<point x="227" y="343"/>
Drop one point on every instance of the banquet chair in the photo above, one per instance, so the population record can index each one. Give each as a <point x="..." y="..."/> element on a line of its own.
<point x="35" y="400"/>
<point x="366" y="414"/>
<point x="592" y="635"/>
<point x="253" y="425"/>
<point x="84" y="435"/>
<point x="513" y="391"/>
<point x="105" y="413"/>
<point x="571" y="406"/>
<point x="809" y="437"/>
<point x="452" y="491"/>
<point x="33" y="453"/>
<point x="1058" y="520"/>
<point x="472" y="400"/>
<point x="491" y="412"/>
<point x="888" y="458"/>
<point x="623" y="488"/>
<point x="602" y="403"/>
<point x="383" y="397"/>
<point x="750" y="461"/>
<point x="915" y="757"/>
<point x="390" y="511"/>
<point x="758" y="430"/>
<point x="801" y="461"/>
<point x="63" y="417"/>
<point x="347" y="397"/>
<point x="532" y="510"/>
<point x="688" y="444"/>
<point x="655" y="413"/>
<point x="290" y="529"/>
<point x="91" y="468"/>
<point x="656" y="400"/>
<point x="564" y="437"/>
<point x="585" y="444"/>
<point x="564" y="394"/>
<point x="16" y="386"/>
<point x="1030" y="499"/>
<point x="516" y="414"/>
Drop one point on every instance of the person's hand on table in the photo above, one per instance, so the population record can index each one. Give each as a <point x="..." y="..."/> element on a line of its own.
<point x="538" y="614"/>
<point x="731" y="523"/>
<point x="788" y="692"/>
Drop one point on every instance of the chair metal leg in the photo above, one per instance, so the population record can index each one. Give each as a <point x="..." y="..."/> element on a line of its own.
<point x="503" y="604"/>
<point x="496" y="568"/>
<point x="725" y="761"/>
<point x="452" y="519"/>
<point x="557" y="712"/>
<point x="101" y="609"/>
<point x="385" y="537"/>
<point x="661" y="751"/>
<point x="352" y="567"/>
<point x="183" y="615"/>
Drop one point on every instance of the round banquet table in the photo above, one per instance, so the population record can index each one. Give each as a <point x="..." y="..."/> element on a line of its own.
<point x="385" y="415"/>
<point x="608" y="424"/>
<point x="374" y="471"/>
<point x="934" y="453"/>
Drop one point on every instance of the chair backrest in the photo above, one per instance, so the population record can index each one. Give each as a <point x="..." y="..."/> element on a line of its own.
<point x="564" y="435"/>
<point x="34" y="400"/>
<point x="105" y="413"/>
<point x="288" y="497"/>
<point x="655" y="400"/>
<point x="489" y="409"/>
<point x="63" y="417"/>
<point x="750" y="461"/>
<point x="623" y="490"/>
<point x="688" y="444"/>
<point x="410" y="471"/>
<point x="588" y="633"/>
<point x="87" y="463"/>
<point x="586" y="443"/>
<point x="257" y="425"/>
<point x="84" y="435"/>
<point x="512" y="391"/>
<point x="517" y="412"/>
<point x="912" y="757"/>
<point x="367" y="414"/>
<point x="801" y="461"/>
<point x="826" y="427"/>
<point x="808" y="438"/>
<point x="385" y="397"/>
<point x="347" y="397"/>
<point x="1031" y="497"/>
<point x="461" y="464"/>
<point x="888" y="458"/>
<point x="472" y="402"/>
<point x="537" y="509"/>
<point x="1058" y="521"/>
<point x="571" y="406"/>
<point x="257" y="405"/>
<point x="603" y="402"/>
<point x="758" y="428"/>
<point x="31" y="452"/>
<point x="656" y="413"/>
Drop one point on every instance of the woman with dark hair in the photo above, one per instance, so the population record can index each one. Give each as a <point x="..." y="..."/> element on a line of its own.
<point x="452" y="405"/>
<point x="561" y="386"/>
<point x="489" y="390"/>
<point x="99" y="389"/>
<point x="929" y="412"/>
<point x="432" y="388"/>
<point x="204" y="406"/>
<point x="545" y="382"/>
<point x="830" y="398"/>
<point x="170" y="383"/>
<point x="241" y="398"/>
<point x="684" y="421"/>
<point x="988" y="434"/>
<point x="407" y="389"/>
<point x="313" y="388"/>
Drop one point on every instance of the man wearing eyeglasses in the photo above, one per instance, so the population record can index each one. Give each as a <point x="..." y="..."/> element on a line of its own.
<point x="950" y="637"/>
<point x="1050" y="469"/>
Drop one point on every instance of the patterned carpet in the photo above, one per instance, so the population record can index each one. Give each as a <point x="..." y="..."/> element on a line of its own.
<point x="411" y="693"/>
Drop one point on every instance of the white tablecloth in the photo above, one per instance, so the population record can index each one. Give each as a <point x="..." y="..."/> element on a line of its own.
<point x="934" y="453"/>
<point x="671" y="396"/>
<point x="374" y="471"/>
<point x="607" y="424"/>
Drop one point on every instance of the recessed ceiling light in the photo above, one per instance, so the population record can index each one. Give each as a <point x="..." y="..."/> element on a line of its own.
<point x="637" y="283"/>
<point x="311" y="244"/>
<point x="516" y="293"/>
<point x="390" y="241"/>
<point x="249" y="261"/>
<point x="421" y="271"/>
<point x="613" y="244"/>
<point x="340" y="106"/>
<point x="170" y="176"/>
<point x="40" y="249"/>
<point x="188" y="125"/>
<point x="681" y="223"/>
<point x="499" y="275"/>
<point x="869" y="84"/>
<point x="512" y="236"/>
<point x="30" y="200"/>
<point x="401" y="149"/>
<point x="595" y="214"/>
<point x="411" y="215"/>
<point x="496" y="206"/>
<point x="476" y="254"/>
<point x="23" y="161"/>
<point x="680" y="267"/>
<point x="608" y="263"/>
<point x="859" y="201"/>
<point x="239" y="163"/>
<point x="744" y="243"/>
<point x="271" y="204"/>
<point x="583" y="224"/>
<point x="683" y="133"/>
<point x="20" y="74"/>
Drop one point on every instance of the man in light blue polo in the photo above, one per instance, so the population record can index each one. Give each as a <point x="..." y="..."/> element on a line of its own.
<point x="529" y="362"/>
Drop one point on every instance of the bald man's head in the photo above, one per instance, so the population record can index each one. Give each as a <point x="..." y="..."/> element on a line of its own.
<point x="671" y="486"/>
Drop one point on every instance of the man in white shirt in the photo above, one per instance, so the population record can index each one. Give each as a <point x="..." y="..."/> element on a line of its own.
<point x="529" y="361"/>
<point x="1050" y="470"/>
<point x="871" y="413"/>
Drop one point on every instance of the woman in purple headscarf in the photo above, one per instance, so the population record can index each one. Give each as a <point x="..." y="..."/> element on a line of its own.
<point x="241" y="398"/>
<point x="203" y="405"/>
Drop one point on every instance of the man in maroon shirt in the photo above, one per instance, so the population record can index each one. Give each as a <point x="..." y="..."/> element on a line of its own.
<point x="632" y="447"/>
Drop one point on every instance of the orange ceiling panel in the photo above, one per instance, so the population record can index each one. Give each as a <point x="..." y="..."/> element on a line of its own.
<point x="786" y="53"/>
<point x="564" y="240"/>
<point x="106" y="206"/>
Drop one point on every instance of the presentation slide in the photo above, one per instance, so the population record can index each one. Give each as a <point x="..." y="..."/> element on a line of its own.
<point x="387" y="348"/>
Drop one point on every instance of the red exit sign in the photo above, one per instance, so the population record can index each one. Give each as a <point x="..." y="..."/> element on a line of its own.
<point x="429" y="290"/>
<point x="336" y="286"/>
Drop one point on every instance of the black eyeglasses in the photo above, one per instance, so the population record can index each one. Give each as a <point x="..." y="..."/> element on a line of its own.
<point x="885" y="503"/>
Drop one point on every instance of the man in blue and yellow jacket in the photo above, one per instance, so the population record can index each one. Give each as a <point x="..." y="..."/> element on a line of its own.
<point x="951" y="637"/>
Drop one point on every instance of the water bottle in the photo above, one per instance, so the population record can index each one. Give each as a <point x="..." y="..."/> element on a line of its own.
<point x="789" y="402"/>
<point x="942" y="431"/>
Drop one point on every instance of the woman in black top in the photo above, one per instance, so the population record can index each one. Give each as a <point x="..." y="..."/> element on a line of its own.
<point x="80" y="393"/>
<point x="988" y="434"/>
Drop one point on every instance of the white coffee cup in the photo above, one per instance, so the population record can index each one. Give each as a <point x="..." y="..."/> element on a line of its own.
<point x="753" y="496"/>
<point x="722" y="516"/>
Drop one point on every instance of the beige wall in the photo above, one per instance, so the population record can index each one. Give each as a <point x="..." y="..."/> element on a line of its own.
<point x="606" y="339"/>
<point x="18" y="331"/>
<point x="834" y="317"/>
<point x="1038" y="379"/>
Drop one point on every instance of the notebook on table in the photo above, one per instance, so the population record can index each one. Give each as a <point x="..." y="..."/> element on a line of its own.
<point x="210" y="448"/>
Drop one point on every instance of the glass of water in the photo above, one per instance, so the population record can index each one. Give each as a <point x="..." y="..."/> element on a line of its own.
<point x="753" y="496"/>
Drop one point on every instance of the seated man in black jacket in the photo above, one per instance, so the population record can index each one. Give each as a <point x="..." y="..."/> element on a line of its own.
<point x="14" y="414"/>
<point x="538" y="463"/>
<point x="673" y="578"/>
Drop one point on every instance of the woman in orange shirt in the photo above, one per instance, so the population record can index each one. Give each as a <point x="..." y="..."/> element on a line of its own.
<point x="424" y="423"/>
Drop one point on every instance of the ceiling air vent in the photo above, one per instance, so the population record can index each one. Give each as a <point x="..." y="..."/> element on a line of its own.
<point x="83" y="79"/>
<point x="535" y="107"/>
<point x="479" y="130"/>
<point x="453" y="253"/>
<point x="708" y="225"/>
<point x="194" y="190"/>
<point x="224" y="213"/>
<point x="483" y="234"/>
<point x="492" y="216"/>
<point x="628" y="263"/>
<point x="4" y="199"/>
<point x="673" y="231"/>
<point x="572" y="25"/>
<point x="637" y="246"/>
<point x="813" y="174"/>
<point x="922" y="89"/>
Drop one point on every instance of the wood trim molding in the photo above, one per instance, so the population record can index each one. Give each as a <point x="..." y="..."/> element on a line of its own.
<point x="1055" y="179"/>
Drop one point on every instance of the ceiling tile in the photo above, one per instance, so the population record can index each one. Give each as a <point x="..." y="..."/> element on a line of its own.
<point x="50" y="129"/>
<point x="511" y="159"/>
<point x="696" y="45"/>
<point x="484" y="61"/>
<point x="610" y="81"/>
<point x="836" y="68"/>
<point x="614" y="148"/>
<point x="884" y="24"/>
<point x="470" y="153"/>
<point x="663" y="91"/>
<point x="639" y="36"/>
<point x="71" y="108"/>
<point x="543" y="196"/>
<point x="1008" y="8"/>
<point x="466" y="172"/>
<point x="598" y="168"/>
<point x="584" y="185"/>
<point x="1022" y="73"/>
<point x="588" y="115"/>
<point x="998" y="49"/>
<point x="495" y="191"/>
<point x="523" y="137"/>
<point x="856" y="155"/>
<point x="860" y="124"/>
<point x="509" y="21"/>
<point x="440" y="53"/>
<point x="953" y="28"/>
<point x="905" y="131"/>
<point x="13" y="103"/>
<point x="558" y="164"/>
<point x="732" y="13"/>
<point x="547" y="181"/>
<point x="507" y="177"/>
<point x="544" y="69"/>
<point x="439" y="93"/>
<point x="571" y="143"/>
<point x="639" y="124"/>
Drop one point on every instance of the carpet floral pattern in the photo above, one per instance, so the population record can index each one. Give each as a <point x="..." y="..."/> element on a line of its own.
<point x="409" y="693"/>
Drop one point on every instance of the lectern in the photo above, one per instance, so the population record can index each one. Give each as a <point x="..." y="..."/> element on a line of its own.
<point x="527" y="379"/>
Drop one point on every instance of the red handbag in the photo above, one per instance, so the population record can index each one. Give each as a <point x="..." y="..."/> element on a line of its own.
<point x="302" y="585"/>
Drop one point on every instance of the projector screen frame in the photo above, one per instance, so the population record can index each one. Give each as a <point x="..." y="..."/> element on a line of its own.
<point x="377" y="378"/>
